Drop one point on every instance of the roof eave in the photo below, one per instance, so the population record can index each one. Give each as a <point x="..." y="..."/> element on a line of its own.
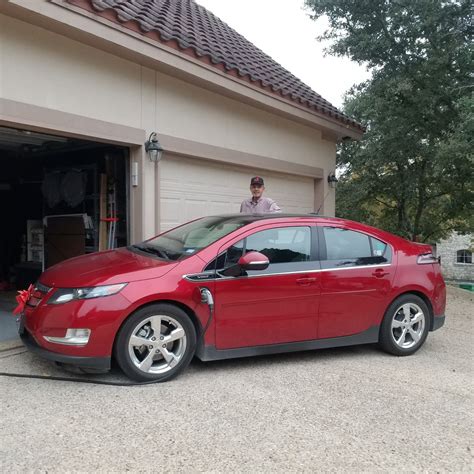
<point x="98" y="32"/>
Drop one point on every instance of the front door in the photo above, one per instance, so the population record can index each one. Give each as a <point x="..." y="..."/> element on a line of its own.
<point x="272" y="306"/>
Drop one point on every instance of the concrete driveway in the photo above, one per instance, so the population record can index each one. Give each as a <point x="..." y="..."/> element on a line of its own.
<point x="350" y="409"/>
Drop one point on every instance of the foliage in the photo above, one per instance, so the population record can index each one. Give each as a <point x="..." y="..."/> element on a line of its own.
<point x="412" y="173"/>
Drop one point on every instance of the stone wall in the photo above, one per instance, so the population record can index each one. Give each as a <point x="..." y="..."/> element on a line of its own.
<point x="447" y="250"/>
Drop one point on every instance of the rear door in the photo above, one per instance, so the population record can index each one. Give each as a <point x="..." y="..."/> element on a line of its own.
<point x="356" y="278"/>
<point x="272" y="306"/>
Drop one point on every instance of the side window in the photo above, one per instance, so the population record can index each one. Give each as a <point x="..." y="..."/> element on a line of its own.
<point x="287" y="249"/>
<point x="381" y="249"/>
<point x="343" y="244"/>
<point x="347" y="248"/>
<point x="234" y="253"/>
<point x="228" y="258"/>
<point x="378" y="247"/>
<point x="282" y="245"/>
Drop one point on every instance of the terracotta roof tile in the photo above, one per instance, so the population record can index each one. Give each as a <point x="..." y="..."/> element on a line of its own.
<point x="197" y="31"/>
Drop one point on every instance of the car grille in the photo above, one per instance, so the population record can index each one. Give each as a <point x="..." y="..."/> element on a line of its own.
<point x="39" y="292"/>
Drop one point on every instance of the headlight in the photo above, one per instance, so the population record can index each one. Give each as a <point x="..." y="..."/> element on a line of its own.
<point x="63" y="295"/>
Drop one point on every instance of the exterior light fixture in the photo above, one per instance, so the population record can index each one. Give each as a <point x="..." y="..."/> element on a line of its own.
<point x="153" y="148"/>
<point x="332" y="180"/>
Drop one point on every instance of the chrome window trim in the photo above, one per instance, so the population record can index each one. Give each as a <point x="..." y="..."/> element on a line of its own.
<point x="318" y="270"/>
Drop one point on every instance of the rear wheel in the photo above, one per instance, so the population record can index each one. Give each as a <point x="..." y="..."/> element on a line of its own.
<point x="405" y="326"/>
<point x="156" y="343"/>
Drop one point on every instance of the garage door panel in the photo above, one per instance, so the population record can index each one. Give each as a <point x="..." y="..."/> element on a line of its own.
<point x="194" y="208"/>
<point x="223" y="207"/>
<point x="192" y="188"/>
<point x="170" y="208"/>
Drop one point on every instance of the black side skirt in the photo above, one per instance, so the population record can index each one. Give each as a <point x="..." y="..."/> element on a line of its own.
<point x="207" y="353"/>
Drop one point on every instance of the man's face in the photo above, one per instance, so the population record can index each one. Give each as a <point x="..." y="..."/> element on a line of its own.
<point x="257" y="190"/>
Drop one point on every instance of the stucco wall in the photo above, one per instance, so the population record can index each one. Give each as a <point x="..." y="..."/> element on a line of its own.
<point x="48" y="70"/>
<point x="447" y="250"/>
<point x="45" y="69"/>
<point x="211" y="118"/>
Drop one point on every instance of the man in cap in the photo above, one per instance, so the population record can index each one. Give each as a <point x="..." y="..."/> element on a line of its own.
<point x="258" y="204"/>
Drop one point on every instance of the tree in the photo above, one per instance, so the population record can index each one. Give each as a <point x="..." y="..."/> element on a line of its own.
<point x="412" y="173"/>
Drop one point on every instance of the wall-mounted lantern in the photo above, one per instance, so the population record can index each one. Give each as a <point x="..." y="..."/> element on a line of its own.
<point x="153" y="148"/>
<point x="332" y="180"/>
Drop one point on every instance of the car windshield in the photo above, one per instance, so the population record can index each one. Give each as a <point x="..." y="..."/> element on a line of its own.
<point x="188" y="239"/>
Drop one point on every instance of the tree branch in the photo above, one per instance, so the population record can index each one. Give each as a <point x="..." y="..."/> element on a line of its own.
<point x="390" y="38"/>
<point x="385" y="204"/>
<point x="434" y="229"/>
<point x="429" y="198"/>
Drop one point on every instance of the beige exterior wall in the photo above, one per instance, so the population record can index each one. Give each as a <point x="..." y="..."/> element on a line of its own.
<point x="45" y="69"/>
<point x="207" y="117"/>
<point x="48" y="70"/>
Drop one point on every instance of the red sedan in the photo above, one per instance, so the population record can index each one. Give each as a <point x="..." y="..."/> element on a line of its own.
<point x="235" y="286"/>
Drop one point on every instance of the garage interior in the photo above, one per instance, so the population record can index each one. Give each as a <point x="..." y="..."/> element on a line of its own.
<point x="60" y="197"/>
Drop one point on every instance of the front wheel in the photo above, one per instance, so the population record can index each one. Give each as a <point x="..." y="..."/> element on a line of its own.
<point x="156" y="343"/>
<point x="405" y="326"/>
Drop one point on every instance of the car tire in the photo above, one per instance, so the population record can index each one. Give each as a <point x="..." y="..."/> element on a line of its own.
<point x="405" y="325"/>
<point x="155" y="343"/>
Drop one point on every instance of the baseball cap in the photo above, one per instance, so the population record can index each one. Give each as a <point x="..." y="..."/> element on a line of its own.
<point x="256" y="180"/>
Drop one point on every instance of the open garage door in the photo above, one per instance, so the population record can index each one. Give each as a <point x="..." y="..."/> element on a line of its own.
<point x="191" y="188"/>
<point x="59" y="197"/>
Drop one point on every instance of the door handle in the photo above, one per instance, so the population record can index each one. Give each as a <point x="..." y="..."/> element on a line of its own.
<point x="305" y="281"/>
<point x="379" y="273"/>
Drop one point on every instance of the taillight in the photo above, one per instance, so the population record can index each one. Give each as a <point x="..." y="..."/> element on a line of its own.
<point x="427" y="258"/>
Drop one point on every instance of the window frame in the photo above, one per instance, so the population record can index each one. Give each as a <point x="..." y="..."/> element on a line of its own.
<point x="465" y="255"/>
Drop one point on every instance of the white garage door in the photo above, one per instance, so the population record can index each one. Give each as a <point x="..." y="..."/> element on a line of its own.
<point x="192" y="188"/>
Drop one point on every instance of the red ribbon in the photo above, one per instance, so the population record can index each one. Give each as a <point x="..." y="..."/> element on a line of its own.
<point x="22" y="297"/>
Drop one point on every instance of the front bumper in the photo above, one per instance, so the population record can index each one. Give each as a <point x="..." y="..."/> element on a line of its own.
<point x="46" y="323"/>
<point x="100" y="363"/>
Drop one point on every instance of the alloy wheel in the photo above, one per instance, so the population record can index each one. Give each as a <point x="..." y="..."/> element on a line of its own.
<point x="157" y="344"/>
<point x="408" y="325"/>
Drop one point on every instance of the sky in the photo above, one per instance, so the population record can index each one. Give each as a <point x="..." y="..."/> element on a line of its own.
<point x="283" y="30"/>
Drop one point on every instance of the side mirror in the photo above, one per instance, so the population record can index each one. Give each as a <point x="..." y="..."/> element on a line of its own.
<point x="253" y="261"/>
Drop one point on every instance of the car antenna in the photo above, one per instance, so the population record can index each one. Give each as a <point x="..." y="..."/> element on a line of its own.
<point x="321" y="205"/>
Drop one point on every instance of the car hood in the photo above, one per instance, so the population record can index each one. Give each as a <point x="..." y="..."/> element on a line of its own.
<point x="104" y="268"/>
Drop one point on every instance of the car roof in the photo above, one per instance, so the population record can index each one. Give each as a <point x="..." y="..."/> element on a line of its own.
<point x="316" y="218"/>
<point x="249" y="218"/>
<point x="271" y="215"/>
